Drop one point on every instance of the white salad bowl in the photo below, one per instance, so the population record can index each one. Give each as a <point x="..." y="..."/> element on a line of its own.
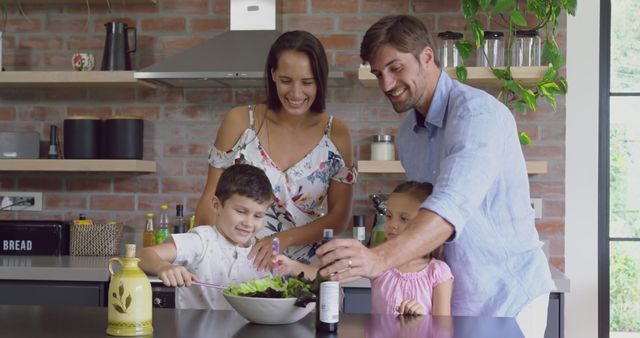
<point x="269" y="310"/>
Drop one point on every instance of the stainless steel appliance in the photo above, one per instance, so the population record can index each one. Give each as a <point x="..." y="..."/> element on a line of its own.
<point x="19" y="145"/>
<point x="43" y="238"/>
<point x="117" y="54"/>
<point x="231" y="59"/>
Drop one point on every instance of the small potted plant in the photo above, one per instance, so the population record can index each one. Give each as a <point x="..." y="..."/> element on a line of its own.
<point x="512" y="15"/>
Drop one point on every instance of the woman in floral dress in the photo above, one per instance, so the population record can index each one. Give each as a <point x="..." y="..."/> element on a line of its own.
<point x="305" y="152"/>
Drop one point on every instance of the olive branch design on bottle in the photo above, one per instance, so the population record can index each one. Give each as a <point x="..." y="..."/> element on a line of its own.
<point x="120" y="306"/>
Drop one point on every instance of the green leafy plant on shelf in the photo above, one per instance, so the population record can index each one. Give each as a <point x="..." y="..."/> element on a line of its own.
<point x="511" y="16"/>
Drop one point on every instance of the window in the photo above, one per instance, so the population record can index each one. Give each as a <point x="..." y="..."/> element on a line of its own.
<point x="620" y="228"/>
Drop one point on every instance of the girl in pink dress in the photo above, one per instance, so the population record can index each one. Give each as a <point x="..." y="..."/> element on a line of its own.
<point x="423" y="285"/>
<point x="418" y="287"/>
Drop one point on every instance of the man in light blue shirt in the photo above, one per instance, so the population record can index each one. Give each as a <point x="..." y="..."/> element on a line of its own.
<point x="464" y="142"/>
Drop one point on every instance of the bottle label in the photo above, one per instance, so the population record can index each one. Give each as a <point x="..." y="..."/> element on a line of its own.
<point x="329" y="302"/>
<point x="358" y="233"/>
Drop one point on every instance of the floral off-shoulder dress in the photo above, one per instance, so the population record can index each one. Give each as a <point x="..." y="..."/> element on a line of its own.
<point x="299" y="192"/>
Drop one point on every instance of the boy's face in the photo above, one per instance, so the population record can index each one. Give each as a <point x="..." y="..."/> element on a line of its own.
<point x="239" y="218"/>
<point x="401" y="209"/>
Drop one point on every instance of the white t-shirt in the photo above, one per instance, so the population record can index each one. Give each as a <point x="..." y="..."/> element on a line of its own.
<point x="211" y="257"/>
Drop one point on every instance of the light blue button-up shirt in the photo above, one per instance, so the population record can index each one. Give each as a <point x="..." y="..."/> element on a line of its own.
<point x="468" y="148"/>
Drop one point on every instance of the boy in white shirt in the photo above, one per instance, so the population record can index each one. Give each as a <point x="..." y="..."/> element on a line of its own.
<point x="215" y="254"/>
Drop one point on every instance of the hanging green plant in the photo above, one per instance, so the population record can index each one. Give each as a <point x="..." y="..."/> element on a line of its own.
<point x="511" y="15"/>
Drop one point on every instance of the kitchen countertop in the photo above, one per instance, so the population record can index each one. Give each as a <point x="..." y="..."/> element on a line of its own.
<point x="94" y="269"/>
<point x="89" y="322"/>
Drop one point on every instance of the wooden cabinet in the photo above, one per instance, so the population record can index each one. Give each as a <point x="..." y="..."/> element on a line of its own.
<point x="67" y="293"/>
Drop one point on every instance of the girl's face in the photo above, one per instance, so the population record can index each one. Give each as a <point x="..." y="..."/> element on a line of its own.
<point x="401" y="209"/>
<point x="294" y="81"/>
<point x="239" y="218"/>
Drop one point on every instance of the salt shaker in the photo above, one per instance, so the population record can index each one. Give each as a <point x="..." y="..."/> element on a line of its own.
<point x="382" y="148"/>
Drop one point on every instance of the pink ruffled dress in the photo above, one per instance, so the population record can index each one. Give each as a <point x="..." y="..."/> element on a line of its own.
<point x="392" y="287"/>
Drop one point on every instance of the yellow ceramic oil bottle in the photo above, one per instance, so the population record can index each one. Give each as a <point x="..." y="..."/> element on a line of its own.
<point x="129" y="299"/>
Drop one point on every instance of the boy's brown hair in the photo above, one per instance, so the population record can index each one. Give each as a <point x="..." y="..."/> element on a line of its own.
<point x="244" y="180"/>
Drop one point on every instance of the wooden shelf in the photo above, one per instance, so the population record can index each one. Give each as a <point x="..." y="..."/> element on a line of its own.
<point x="394" y="167"/>
<point x="79" y="165"/>
<point x="119" y="78"/>
<point x="116" y="2"/>
<point x="476" y="76"/>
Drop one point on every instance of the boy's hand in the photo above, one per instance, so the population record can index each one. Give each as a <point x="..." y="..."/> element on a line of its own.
<point x="285" y="265"/>
<point x="411" y="307"/>
<point x="176" y="275"/>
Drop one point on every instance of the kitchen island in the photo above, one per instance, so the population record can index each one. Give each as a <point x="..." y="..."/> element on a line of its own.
<point x="89" y="322"/>
<point x="83" y="281"/>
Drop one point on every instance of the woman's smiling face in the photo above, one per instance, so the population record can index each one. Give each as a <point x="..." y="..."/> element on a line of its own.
<point x="294" y="81"/>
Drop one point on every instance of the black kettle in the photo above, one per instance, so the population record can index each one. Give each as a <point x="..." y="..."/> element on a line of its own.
<point x="117" y="55"/>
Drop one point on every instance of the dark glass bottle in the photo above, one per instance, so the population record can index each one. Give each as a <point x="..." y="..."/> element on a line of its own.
<point x="179" y="227"/>
<point x="358" y="228"/>
<point x="328" y="300"/>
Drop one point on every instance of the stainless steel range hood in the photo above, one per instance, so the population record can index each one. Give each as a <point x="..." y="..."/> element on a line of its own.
<point x="232" y="59"/>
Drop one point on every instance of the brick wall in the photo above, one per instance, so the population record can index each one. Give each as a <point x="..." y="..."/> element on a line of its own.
<point x="179" y="124"/>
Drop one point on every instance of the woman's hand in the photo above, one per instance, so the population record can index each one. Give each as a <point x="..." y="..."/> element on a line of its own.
<point x="176" y="275"/>
<point x="411" y="307"/>
<point x="262" y="254"/>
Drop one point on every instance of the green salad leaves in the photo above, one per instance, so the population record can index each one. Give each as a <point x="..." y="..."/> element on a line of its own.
<point x="297" y="287"/>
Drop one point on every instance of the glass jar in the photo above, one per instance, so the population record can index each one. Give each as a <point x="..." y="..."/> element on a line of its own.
<point x="526" y="49"/>
<point x="493" y="48"/>
<point x="448" y="53"/>
<point x="382" y="148"/>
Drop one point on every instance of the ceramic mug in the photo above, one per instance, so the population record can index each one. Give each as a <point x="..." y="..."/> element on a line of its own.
<point x="83" y="61"/>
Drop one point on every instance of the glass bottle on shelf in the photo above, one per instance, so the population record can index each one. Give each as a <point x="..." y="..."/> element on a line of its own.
<point x="358" y="228"/>
<point x="377" y="233"/>
<point x="149" y="236"/>
<point x="382" y="148"/>
<point x="447" y="51"/>
<point x="493" y="48"/>
<point x="179" y="226"/>
<point x="163" y="225"/>
<point x="526" y="49"/>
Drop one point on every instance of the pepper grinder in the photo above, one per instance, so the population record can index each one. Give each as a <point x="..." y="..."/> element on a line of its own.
<point x="53" y="154"/>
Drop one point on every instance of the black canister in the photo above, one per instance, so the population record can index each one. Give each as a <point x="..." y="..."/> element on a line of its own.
<point x="82" y="137"/>
<point x="124" y="137"/>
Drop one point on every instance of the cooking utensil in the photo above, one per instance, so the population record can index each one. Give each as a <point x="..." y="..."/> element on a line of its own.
<point x="209" y="285"/>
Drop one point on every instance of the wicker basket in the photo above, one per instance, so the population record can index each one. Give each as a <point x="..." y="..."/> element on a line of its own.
<point x="98" y="239"/>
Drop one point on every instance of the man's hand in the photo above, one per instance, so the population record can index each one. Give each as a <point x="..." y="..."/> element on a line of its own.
<point x="349" y="258"/>
<point x="411" y="307"/>
<point x="262" y="254"/>
<point x="176" y="275"/>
